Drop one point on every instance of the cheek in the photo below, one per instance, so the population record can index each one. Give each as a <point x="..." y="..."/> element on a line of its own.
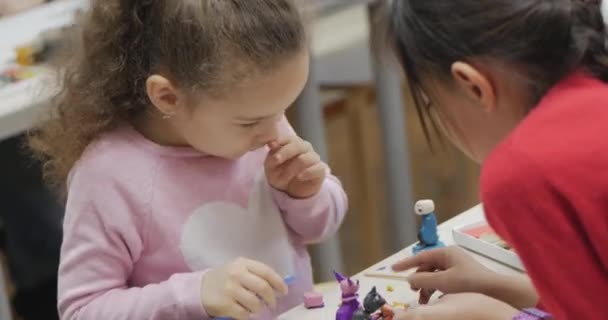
<point x="470" y="134"/>
<point x="460" y="127"/>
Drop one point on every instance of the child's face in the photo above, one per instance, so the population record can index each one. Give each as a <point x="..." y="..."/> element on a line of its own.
<point x="247" y="118"/>
<point x="477" y="109"/>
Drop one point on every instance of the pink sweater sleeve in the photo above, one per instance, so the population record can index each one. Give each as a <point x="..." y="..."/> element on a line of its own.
<point x="316" y="218"/>
<point x="102" y="241"/>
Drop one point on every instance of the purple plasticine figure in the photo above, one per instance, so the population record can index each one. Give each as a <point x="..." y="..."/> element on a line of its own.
<point x="350" y="303"/>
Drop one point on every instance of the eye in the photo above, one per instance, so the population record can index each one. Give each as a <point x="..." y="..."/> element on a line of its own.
<point x="248" y="125"/>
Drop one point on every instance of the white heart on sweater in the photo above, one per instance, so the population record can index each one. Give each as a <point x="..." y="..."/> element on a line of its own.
<point x="219" y="232"/>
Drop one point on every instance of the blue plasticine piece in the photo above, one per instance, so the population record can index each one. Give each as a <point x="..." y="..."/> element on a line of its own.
<point x="428" y="229"/>
<point x="421" y="247"/>
<point x="289" y="280"/>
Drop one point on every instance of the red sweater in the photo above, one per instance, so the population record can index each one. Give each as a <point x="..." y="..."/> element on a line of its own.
<point x="545" y="191"/>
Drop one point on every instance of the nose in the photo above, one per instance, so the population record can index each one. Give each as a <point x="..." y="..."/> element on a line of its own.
<point x="269" y="134"/>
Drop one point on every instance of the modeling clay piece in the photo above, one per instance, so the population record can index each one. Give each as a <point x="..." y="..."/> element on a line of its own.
<point x="372" y="303"/>
<point x="400" y="305"/>
<point x="427" y="234"/>
<point x="313" y="300"/>
<point x="386" y="312"/>
<point x="390" y="288"/>
<point x="350" y="303"/>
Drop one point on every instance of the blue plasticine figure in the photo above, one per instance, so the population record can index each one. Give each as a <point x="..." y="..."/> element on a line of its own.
<point x="427" y="234"/>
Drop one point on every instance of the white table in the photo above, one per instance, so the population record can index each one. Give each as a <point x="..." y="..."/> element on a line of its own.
<point x="402" y="292"/>
<point x="21" y="105"/>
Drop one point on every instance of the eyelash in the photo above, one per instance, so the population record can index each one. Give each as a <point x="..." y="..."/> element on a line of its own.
<point x="248" y="125"/>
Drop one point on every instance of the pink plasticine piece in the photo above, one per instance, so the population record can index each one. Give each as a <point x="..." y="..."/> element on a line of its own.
<point x="313" y="300"/>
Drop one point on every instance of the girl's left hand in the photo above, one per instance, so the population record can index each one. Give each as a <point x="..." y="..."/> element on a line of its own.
<point x="461" y="306"/>
<point x="293" y="166"/>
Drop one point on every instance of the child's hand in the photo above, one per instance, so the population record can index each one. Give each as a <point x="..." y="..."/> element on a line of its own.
<point x="452" y="270"/>
<point x="294" y="167"/>
<point x="240" y="289"/>
<point x="449" y="270"/>
<point x="462" y="306"/>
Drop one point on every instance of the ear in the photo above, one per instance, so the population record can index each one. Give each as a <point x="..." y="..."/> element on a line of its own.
<point x="475" y="85"/>
<point x="163" y="95"/>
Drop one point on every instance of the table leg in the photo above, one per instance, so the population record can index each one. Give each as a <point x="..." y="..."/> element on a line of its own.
<point x="401" y="221"/>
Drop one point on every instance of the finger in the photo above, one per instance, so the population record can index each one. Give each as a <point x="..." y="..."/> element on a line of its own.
<point x="428" y="280"/>
<point x="290" y="151"/>
<point x="282" y="175"/>
<point x="425" y="296"/>
<point x="274" y="146"/>
<point x="436" y="258"/>
<point x="272" y="173"/>
<point x="239" y="312"/>
<point x="260" y="287"/>
<point x="293" y="167"/>
<point x="410" y="314"/>
<point x="421" y="270"/>
<point x="265" y="272"/>
<point x="248" y="300"/>
<point x="317" y="171"/>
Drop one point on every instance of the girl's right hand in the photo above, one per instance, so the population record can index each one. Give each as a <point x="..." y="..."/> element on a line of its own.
<point x="240" y="289"/>
<point x="449" y="270"/>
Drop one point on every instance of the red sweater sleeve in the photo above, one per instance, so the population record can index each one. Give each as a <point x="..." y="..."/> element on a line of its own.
<point x="556" y="225"/>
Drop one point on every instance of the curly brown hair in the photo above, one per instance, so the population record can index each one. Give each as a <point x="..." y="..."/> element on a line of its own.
<point x="120" y="43"/>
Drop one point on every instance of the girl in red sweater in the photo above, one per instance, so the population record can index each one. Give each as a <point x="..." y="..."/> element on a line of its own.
<point x="520" y="87"/>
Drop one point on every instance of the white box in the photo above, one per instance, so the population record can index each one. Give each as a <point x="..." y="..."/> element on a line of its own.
<point x="490" y="250"/>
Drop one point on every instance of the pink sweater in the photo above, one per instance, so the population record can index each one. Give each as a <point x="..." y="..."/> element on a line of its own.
<point x="144" y="222"/>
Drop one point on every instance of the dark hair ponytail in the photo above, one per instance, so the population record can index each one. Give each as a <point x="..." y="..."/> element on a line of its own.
<point x="589" y="37"/>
